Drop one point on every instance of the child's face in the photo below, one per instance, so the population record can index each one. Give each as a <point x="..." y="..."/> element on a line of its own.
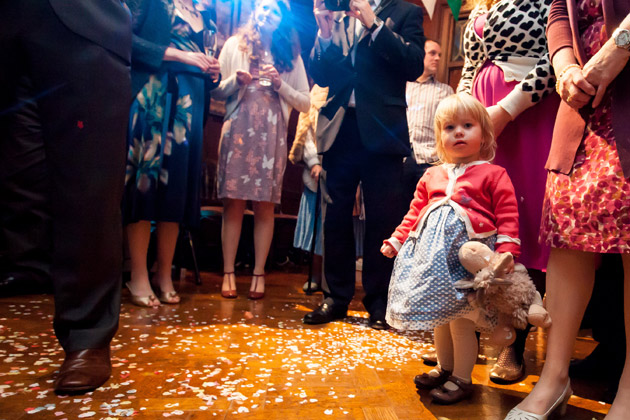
<point x="462" y="139"/>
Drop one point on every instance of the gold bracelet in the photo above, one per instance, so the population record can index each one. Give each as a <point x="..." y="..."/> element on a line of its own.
<point x="564" y="70"/>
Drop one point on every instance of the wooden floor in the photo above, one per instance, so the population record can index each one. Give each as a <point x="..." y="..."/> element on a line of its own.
<point x="213" y="358"/>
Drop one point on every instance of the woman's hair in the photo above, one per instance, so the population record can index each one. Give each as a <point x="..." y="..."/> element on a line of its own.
<point x="461" y="104"/>
<point x="285" y="45"/>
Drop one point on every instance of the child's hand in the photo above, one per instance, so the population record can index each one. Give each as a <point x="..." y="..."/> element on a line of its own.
<point x="388" y="250"/>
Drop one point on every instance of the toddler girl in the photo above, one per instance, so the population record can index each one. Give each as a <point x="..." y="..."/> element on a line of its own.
<point x="464" y="198"/>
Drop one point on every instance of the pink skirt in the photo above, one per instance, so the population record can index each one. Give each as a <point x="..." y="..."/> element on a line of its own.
<point x="522" y="150"/>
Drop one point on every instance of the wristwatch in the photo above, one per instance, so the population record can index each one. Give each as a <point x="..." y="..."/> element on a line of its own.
<point x="622" y="38"/>
<point x="377" y="22"/>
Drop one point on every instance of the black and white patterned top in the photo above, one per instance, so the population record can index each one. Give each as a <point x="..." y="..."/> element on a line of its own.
<point x="513" y="39"/>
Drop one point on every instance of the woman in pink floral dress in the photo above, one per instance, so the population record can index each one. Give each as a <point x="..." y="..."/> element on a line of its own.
<point x="586" y="211"/>
<point x="263" y="77"/>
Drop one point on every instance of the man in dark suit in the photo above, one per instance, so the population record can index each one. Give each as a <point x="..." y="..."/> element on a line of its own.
<point x="365" y="56"/>
<point x="64" y="106"/>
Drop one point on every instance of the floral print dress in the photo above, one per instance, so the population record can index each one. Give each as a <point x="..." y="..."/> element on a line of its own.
<point x="589" y="209"/>
<point x="253" y="150"/>
<point x="165" y="139"/>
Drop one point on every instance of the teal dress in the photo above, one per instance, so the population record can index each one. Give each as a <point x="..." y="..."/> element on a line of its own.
<point x="165" y="139"/>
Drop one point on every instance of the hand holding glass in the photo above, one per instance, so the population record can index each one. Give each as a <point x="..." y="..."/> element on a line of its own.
<point x="265" y="59"/>
<point x="209" y="42"/>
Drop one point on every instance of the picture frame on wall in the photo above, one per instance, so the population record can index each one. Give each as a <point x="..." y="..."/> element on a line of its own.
<point x="457" y="48"/>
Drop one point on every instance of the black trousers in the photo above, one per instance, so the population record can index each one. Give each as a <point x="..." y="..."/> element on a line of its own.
<point x="346" y="164"/>
<point x="67" y="100"/>
<point x="412" y="172"/>
<point x="25" y="223"/>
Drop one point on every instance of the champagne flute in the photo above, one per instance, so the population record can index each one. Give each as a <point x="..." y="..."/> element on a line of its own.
<point x="209" y="42"/>
<point x="265" y="58"/>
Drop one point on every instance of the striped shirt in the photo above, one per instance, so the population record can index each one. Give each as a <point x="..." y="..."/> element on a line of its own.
<point x="422" y="101"/>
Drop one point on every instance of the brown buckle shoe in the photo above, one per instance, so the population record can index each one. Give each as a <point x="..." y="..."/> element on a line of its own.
<point x="427" y="381"/>
<point x="83" y="371"/>
<point x="443" y="395"/>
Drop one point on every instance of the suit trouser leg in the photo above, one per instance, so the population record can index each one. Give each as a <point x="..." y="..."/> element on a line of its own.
<point x="339" y="181"/>
<point x="83" y="95"/>
<point x="381" y="177"/>
<point x="24" y="209"/>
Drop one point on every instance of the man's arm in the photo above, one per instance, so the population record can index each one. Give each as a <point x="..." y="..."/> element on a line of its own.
<point x="404" y="50"/>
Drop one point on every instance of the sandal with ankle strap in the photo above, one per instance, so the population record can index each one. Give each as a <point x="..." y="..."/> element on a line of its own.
<point x="229" y="293"/>
<point x="253" y="294"/>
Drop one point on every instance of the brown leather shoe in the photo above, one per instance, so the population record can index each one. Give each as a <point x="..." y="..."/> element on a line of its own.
<point x="443" y="395"/>
<point x="83" y="371"/>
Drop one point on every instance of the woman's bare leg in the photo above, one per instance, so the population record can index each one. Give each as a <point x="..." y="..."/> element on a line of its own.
<point x="570" y="277"/>
<point x="263" y="235"/>
<point x="230" y="235"/>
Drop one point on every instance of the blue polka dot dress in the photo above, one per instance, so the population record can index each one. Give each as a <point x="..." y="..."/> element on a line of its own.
<point x="421" y="291"/>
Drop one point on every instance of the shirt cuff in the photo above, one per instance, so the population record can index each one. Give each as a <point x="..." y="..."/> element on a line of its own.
<point x="377" y="30"/>
<point x="515" y="102"/>
<point x="324" y="42"/>
<point x="395" y="243"/>
<point x="313" y="161"/>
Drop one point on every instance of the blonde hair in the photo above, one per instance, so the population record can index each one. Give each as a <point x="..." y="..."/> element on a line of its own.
<point x="463" y="104"/>
<point x="487" y="3"/>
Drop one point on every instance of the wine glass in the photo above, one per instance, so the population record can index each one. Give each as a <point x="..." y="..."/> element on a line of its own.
<point x="209" y="42"/>
<point x="265" y="58"/>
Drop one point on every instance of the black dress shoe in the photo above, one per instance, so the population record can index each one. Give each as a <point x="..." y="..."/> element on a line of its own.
<point x="83" y="371"/>
<point x="23" y="283"/>
<point x="378" y="323"/>
<point x="324" y="314"/>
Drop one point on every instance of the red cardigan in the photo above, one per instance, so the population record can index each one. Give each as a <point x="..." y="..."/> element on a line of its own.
<point x="480" y="193"/>
<point x="562" y="31"/>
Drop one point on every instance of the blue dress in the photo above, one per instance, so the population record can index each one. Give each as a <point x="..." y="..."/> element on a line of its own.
<point x="421" y="291"/>
<point x="304" y="226"/>
<point x="165" y="140"/>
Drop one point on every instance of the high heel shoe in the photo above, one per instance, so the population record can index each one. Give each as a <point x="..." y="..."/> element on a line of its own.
<point x="560" y="405"/>
<point x="253" y="294"/>
<point x="172" y="298"/>
<point x="229" y="293"/>
<point x="149" y="301"/>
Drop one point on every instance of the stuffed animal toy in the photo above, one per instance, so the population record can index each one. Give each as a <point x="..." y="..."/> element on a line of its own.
<point x="512" y="295"/>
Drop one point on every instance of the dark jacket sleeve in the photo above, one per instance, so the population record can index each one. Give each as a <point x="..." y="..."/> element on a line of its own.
<point x="405" y="49"/>
<point x="558" y="28"/>
<point x="325" y="62"/>
<point x="144" y="52"/>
